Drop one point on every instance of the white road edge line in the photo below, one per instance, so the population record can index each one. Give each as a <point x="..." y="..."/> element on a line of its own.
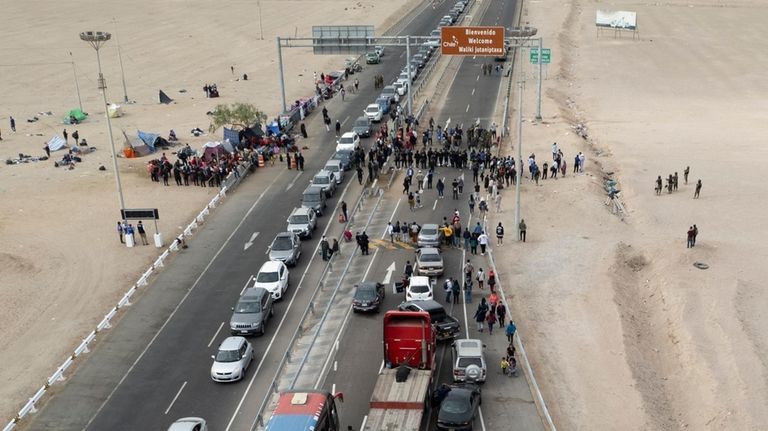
<point x="178" y="306"/>
<point x="285" y="314"/>
<point x="175" y="398"/>
<point x="215" y="334"/>
<point x="473" y="91"/>
<point x="467" y="110"/>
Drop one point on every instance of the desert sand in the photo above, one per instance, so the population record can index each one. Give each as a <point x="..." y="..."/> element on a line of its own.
<point x="623" y="331"/>
<point x="62" y="266"/>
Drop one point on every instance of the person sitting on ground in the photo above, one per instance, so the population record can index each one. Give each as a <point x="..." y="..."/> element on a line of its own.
<point x="172" y="136"/>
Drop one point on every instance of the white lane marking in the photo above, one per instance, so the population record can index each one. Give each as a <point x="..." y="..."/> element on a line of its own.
<point x="474" y="57"/>
<point x="478" y="78"/>
<point x="365" y="420"/>
<point x="295" y="291"/>
<point x="333" y="388"/>
<point x="381" y="367"/>
<point x="293" y="181"/>
<point x="434" y="205"/>
<point x="215" y="334"/>
<point x="250" y="242"/>
<point x="467" y="110"/>
<point x="473" y="91"/>
<point x="176" y="397"/>
<point x="246" y="285"/>
<point x="482" y="421"/>
<point x="178" y="306"/>
<point x="335" y="366"/>
<point x="345" y="120"/>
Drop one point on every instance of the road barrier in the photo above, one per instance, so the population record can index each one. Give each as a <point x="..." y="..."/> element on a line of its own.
<point x="179" y="243"/>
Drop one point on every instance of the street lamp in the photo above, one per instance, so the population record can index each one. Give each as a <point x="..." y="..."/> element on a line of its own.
<point x="96" y="39"/>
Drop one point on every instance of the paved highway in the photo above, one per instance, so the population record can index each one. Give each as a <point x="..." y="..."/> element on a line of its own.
<point x="153" y="367"/>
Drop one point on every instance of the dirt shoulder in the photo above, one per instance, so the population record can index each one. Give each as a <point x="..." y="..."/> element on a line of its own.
<point x="623" y="331"/>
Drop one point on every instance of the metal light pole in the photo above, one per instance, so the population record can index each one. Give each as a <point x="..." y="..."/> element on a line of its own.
<point x="77" y="85"/>
<point x="96" y="39"/>
<point x="519" y="174"/>
<point x="410" y="81"/>
<point x="280" y="73"/>
<point x="120" y="59"/>
<point x="541" y="61"/>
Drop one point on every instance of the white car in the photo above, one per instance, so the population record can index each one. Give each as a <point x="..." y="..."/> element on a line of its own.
<point x="232" y="359"/>
<point x="401" y="87"/>
<point x="419" y="289"/>
<point x="348" y="141"/>
<point x="373" y="112"/>
<point x="189" y="424"/>
<point x="273" y="276"/>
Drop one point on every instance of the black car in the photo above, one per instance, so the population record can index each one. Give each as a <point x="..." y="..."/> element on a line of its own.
<point x="346" y="157"/>
<point x="368" y="297"/>
<point x="459" y="407"/>
<point x="446" y="326"/>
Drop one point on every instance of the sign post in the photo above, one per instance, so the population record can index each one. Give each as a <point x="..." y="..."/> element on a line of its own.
<point x="144" y="214"/>
<point x="483" y="41"/>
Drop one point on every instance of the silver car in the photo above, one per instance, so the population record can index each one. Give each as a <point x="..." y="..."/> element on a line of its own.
<point x="326" y="180"/>
<point x="252" y="312"/>
<point x="429" y="262"/>
<point x="302" y="221"/>
<point x="286" y="248"/>
<point x="234" y="356"/>
<point x="430" y="236"/>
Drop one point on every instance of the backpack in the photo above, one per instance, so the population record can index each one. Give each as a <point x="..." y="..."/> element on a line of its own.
<point x="499" y="230"/>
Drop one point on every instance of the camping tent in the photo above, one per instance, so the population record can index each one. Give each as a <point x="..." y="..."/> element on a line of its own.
<point x="164" y="98"/>
<point x="149" y="138"/>
<point x="135" y="147"/>
<point x="232" y="135"/>
<point x="217" y="149"/>
<point x="77" y="113"/>
<point x="115" y="111"/>
<point x="56" y="143"/>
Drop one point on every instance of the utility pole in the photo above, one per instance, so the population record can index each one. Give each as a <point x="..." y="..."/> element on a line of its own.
<point x="120" y="59"/>
<point x="77" y="86"/>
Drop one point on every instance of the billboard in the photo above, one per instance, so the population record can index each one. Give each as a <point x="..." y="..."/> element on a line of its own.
<point x="341" y="39"/>
<point x="472" y="41"/>
<point x="616" y="19"/>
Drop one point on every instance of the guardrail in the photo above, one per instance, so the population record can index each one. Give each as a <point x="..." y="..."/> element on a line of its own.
<point x="272" y="389"/>
<point x="179" y="242"/>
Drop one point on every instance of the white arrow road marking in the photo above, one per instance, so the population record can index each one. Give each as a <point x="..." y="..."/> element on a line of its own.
<point x="390" y="270"/>
<point x="250" y="242"/>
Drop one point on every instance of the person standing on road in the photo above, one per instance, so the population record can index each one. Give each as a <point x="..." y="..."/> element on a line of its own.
<point x="408" y="272"/>
<point x="344" y="211"/>
<point x="468" y="288"/>
<point x="490" y="319"/>
<point x="324" y="247"/>
<point x="142" y="233"/>
<point x="391" y="232"/>
<point x="404" y="229"/>
<point x="471" y="204"/>
<point x="522" y="227"/>
<point x="360" y="175"/>
<point x="689" y="242"/>
<point x="510" y="331"/>
<point x="492" y="281"/>
<point x="695" y="233"/>
<point x="120" y="232"/>
<point x="455" y="290"/>
<point x="440" y="188"/>
<point x="698" y="190"/>
<point x="13" y="125"/>
<point x="499" y="234"/>
<point x="480" y="313"/>
<point x="448" y="288"/>
<point x="480" y="277"/>
<point x="467" y="238"/>
<point x="366" y="242"/>
<point x="501" y="313"/>
<point x="685" y="174"/>
<point x="483" y="241"/>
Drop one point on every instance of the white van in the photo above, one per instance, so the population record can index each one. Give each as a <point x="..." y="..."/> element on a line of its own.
<point x="468" y="352"/>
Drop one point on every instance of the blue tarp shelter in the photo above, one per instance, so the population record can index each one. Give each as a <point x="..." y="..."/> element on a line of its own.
<point x="148" y="138"/>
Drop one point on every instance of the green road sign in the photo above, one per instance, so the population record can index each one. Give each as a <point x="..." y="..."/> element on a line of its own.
<point x="547" y="55"/>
